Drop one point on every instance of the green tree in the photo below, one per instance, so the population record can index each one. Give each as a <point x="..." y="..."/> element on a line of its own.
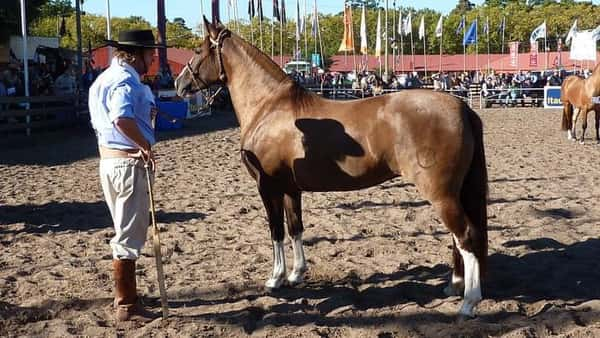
<point x="10" y="16"/>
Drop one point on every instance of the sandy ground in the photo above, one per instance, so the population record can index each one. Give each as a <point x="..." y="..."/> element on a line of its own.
<point x="378" y="258"/>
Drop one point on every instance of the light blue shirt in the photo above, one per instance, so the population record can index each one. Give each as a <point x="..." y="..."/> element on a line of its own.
<point x="118" y="93"/>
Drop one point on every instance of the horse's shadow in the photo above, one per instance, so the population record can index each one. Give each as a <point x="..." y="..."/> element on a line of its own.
<point x="67" y="216"/>
<point x="553" y="272"/>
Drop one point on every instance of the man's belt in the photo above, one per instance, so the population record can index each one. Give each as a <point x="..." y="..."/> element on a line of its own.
<point x="117" y="153"/>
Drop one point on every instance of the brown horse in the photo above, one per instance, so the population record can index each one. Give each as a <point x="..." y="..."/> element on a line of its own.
<point x="577" y="95"/>
<point x="294" y="141"/>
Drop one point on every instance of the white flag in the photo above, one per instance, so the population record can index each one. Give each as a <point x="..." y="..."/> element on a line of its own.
<point x="407" y="24"/>
<point x="583" y="46"/>
<point x="538" y="33"/>
<point x="363" y="32"/>
<point x="422" y="28"/>
<point x="439" y="29"/>
<point x="400" y="22"/>
<point x="572" y="32"/>
<point x="378" y="42"/>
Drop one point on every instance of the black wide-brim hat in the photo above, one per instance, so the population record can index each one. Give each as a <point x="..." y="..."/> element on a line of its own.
<point x="142" y="38"/>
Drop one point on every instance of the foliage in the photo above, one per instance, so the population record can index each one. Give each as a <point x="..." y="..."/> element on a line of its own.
<point x="10" y="16"/>
<point x="522" y="16"/>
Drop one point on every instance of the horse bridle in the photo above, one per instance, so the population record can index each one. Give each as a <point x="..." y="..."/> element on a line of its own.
<point x="216" y="44"/>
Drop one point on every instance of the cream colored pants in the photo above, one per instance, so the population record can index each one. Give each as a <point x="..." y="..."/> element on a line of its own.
<point x="126" y="192"/>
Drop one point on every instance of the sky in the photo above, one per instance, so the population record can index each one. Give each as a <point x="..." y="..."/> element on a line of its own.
<point x="190" y="10"/>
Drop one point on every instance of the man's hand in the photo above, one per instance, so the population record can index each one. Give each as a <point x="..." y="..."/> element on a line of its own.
<point x="146" y="155"/>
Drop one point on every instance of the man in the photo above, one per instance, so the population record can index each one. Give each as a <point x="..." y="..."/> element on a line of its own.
<point x="121" y="110"/>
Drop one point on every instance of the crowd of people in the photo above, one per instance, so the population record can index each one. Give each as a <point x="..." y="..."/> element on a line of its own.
<point x="505" y="88"/>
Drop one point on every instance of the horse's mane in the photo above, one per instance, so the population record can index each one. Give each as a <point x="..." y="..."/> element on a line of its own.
<point x="299" y="95"/>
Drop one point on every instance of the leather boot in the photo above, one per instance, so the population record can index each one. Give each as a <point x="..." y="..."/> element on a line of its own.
<point x="126" y="300"/>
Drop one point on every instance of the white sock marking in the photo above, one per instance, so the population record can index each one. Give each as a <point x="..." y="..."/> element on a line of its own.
<point x="472" y="282"/>
<point x="296" y="277"/>
<point x="278" y="266"/>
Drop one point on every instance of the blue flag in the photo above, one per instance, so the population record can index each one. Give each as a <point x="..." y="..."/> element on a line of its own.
<point x="471" y="36"/>
<point x="461" y="26"/>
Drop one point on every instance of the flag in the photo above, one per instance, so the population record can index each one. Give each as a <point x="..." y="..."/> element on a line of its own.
<point x="407" y="24"/>
<point x="63" y="27"/>
<point x="299" y="22"/>
<point x="315" y="22"/>
<point x="215" y="11"/>
<point x="251" y="10"/>
<point x="363" y="32"/>
<point x="439" y="29"/>
<point x="276" y="10"/>
<point x="347" y="44"/>
<point x="486" y="26"/>
<point x="461" y="26"/>
<point x="378" y="41"/>
<point x="422" y="28"/>
<point x="471" y="36"/>
<point x="260" y="10"/>
<point x="596" y="33"/>
<point x="502" y="26"/>
<point x="400" y="22"/>
<point x="282" y="13"/>
<point x="571" y="33"/>
<point x="538" y="33"/>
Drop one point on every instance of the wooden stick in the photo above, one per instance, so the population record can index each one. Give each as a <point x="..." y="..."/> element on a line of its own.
<point x="156" y="245"/>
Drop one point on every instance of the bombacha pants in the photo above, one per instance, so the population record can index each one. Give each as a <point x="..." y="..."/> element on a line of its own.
<point x="125" y="189"/>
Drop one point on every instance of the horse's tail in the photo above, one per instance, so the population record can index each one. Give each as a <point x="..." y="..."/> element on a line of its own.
<point x="474" y="193"/>
<point x="567" y="119"/>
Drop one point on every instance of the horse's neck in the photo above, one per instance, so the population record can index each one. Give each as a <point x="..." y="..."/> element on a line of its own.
<point x="252" y="80"/>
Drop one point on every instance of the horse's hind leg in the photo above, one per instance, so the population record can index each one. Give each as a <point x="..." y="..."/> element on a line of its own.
<point x="456" y="285"/>
<point x="466" y="237"/>
<point x="576" y="112"/>
<point x="597" y="120"/>
<point x="583" y="125"/>
<point x="292" y="203"/>
<point x="273" y="201"/>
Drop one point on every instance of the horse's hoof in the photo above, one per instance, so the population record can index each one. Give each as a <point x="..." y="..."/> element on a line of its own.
<point x="295" y="278"/>
<point x="273" y="284"/>
<point x="467" y="308"/>
<point x="582" y="142"/>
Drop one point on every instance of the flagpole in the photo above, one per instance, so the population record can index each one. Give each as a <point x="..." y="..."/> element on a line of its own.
<point x="401" y="42"/>
<point x="464" y="44"/>
<point x="273" y="38"/>
<point x="386" y="37"/>
<point x="108" y="35"/>
<point x="394" y="37"/>
<point x="306" y="30"/>
<point x="424" y="45"/>
<point x="503" y="28"/>
<point x="441" y="44"/>
<point x="487" y="23"/>
<point x="546" y="44"/>
<point x="412" y="47"/>
<point x="477" y="47"/>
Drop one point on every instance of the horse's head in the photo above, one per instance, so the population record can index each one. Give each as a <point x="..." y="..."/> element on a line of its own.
<point x="206" y="66"/>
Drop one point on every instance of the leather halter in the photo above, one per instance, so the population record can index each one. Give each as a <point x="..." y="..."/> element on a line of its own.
<point x="216" y="44"/>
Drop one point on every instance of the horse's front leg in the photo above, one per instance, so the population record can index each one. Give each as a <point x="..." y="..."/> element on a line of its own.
<point x="597" y="120"/>
<point x="292" y="203"/>
<point x="273" y="201"/>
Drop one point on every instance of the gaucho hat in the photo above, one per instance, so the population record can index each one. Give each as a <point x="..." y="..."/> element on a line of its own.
<point x="142" y="38"/>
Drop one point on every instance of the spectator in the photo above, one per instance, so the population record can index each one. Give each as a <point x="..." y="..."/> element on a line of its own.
<point x="554" y="79"/>
<point x="65" y="84"/>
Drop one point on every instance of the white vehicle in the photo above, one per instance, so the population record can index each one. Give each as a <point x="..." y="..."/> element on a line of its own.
<point x="298" y="66"/>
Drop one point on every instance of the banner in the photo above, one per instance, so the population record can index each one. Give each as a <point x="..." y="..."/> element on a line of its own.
<point x="533" y="55"/>
<point x="583" y="46"/>
<point x="347" y="44"/>
<point x="514" y="54"/>
<point x="552" y="97"/>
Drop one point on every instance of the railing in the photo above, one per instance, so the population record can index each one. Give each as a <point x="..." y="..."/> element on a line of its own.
<point x="38" y="112"/>
<point x="473" y="96"/>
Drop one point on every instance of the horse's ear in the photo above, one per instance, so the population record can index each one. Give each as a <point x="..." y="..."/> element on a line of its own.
<point x="210" y="28"/>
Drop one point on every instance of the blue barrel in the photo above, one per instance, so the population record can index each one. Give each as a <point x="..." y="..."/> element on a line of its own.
<point x="174" y="109"/>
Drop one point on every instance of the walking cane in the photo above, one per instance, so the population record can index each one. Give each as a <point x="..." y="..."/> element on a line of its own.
<point x="156" y="245"/>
